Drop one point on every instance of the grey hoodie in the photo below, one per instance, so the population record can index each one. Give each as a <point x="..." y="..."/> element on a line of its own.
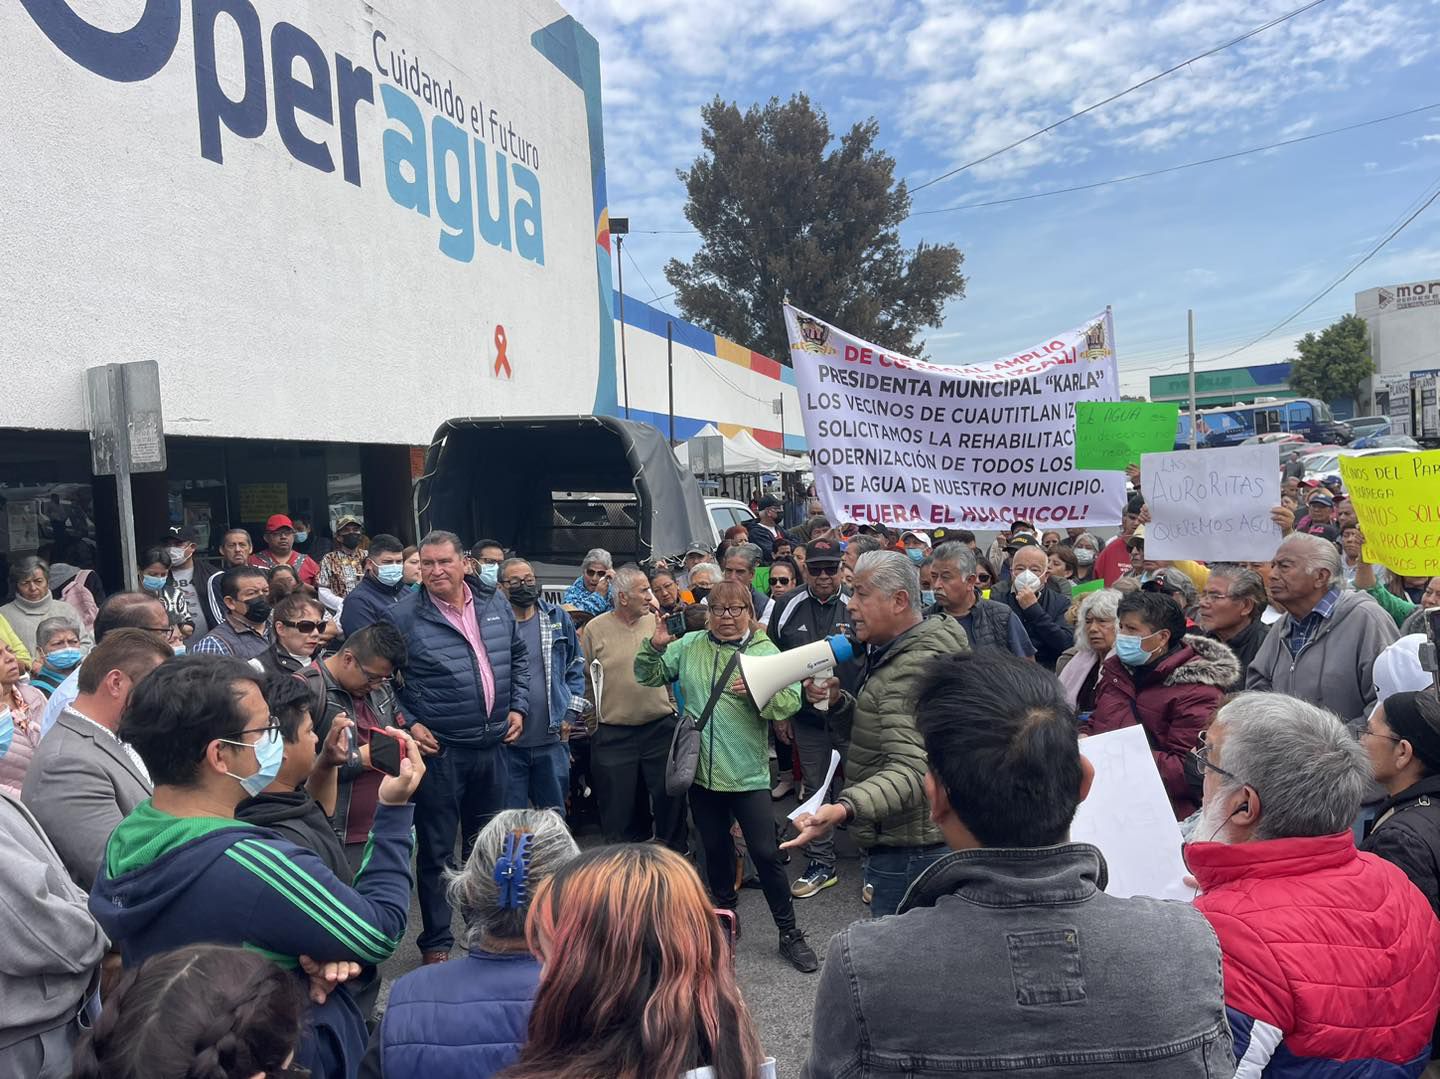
<point x="1334" y="669"/>
<point x="51" y="948"/>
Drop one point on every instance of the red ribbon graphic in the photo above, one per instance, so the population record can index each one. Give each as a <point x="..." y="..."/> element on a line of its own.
<point x="501" y="360"/>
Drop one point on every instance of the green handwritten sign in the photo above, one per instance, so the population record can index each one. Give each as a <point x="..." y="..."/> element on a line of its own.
<point x="1112" y="434"/>
<point x="1089" y="586"/>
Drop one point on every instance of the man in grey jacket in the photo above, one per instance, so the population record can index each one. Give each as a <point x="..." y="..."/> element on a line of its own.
<point x="1323" y="650"/>
<point x="49" y="954"/>
<point x="1060" y="978"/>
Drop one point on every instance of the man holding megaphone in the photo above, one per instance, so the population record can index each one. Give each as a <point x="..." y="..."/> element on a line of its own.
<point x="885" y="801"/>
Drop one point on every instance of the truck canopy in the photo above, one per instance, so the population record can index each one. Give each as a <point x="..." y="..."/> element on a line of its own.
<point x="552" y="488"/>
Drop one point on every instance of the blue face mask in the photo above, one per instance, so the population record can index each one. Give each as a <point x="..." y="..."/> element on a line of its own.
<point x="269" y="752"/>
<point x="62" y="659"/>
<point x="153" y="584"/>
<point x="179" y="649"/>
<point x="915" y="554"/>
<point x="1131" y="650"/>
<point x="490" y="574"/>
<point x="391" y="575"/>
<point x="927" y="596"/>
<point x="7" y="731"/>
<point x="301" y="537"/>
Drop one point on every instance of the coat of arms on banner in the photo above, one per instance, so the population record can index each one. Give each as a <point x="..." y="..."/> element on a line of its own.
<point x="813" y="336"/>
<point x="1095" y="345"/>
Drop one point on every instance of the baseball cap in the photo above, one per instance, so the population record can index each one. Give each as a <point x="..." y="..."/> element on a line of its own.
<point x="921" y="536"/>
<point x="347" y="521"/>
<point x="1398" y="669"/>
<point x="1138" y="536"/>
<point x="1321" y="498"/>
<point x="183" y="534"/>
<point x="768" y="502"/>
<point x="1333" y="482"/>
<point x="1171" y="580"/>
<point x="698" y="548"/>
<point x="822" y="552"/>
<point x="1020" y="523"/>
<point x="1021" y="541"/>
<point x="278" y="521"/>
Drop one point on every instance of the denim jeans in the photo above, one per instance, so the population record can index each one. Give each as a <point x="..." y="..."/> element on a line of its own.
<point x="892" y="870"/>
<point x="537" y="776"/>
<point x="463" y="788"/>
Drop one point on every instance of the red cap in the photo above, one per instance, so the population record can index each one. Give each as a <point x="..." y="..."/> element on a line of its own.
<point x="277" y="522"/>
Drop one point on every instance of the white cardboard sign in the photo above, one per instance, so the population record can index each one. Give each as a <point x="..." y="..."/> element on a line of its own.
<point x="1212" y="505"/>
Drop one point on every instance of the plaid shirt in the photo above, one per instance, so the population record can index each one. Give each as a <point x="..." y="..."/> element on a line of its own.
<point x="1304" y="630"/>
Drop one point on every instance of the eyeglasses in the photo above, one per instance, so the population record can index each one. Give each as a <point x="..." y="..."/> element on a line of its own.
<point x="517" y="581"/>
<point x="1366" y="731"/>
<point x="273" y="725"/>
<point x="306" y="626"/>
<point x="371" y="677"/>
<point x="1207" y="594"/>
<point x="1201" y="753"/>
<point x="823" y="571"/>
<point x="594" y="573"/>
<point x="729" y="612"/>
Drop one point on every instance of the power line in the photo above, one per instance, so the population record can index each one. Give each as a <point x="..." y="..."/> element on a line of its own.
<point x="1428" y="200"/>
<point x="1174" y="168"/>
<point x="1128" y="90"/>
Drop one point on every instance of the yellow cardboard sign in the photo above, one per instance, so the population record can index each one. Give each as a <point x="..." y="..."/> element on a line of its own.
<point x="1397" y="498"/>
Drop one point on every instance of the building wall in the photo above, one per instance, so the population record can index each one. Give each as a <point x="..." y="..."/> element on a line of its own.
<point x="305" y="263"/>
<point x="1404" y="324"/>
<point x="1224" y="386"/>
<point x="716" y="381"/>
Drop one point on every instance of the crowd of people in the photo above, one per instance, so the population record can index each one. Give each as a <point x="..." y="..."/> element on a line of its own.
<point x="219" y="792"/>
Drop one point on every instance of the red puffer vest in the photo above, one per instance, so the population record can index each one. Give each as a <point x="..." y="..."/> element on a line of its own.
<point x="1330" y="950"/>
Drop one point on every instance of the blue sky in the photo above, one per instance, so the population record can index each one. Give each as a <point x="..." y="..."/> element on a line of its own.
<point x="1244" y="242"/>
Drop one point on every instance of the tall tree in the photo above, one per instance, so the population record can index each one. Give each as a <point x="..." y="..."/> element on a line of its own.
<point x="783" y="209"/>
<point x="1332" y="365"/>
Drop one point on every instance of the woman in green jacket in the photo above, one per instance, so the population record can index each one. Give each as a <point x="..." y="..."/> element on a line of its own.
<point x="732" y="777"/>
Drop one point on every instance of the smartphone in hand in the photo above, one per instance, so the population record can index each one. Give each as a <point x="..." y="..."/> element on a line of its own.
<point x="675" y="624"/>
<point x="385" y="753"/>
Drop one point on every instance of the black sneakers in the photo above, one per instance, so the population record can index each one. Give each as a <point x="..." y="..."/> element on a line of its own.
<point x="794" y="947"/>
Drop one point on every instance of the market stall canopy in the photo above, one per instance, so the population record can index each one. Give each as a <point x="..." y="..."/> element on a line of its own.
<point x="743" y="454"/>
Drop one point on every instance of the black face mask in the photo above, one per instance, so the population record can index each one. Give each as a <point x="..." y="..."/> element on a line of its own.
<point x="257" y="610"/>
<point x="350" y="541"/>
<point x="524" y="595"/>
<point x="699" y="591"/>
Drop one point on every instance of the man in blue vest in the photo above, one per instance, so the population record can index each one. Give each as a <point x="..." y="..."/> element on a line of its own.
<point x="465" y="692"/>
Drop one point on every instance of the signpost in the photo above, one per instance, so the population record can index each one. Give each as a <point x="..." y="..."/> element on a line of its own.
<point x="127" y="435"/>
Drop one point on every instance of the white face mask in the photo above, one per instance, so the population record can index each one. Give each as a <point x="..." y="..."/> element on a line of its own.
<point x="1028" y="579"/>
<point x="177" y="555"/>
<point x="1084" y="555"/>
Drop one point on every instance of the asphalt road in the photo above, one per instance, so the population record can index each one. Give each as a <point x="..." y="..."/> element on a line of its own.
<point x="780" y="997"/>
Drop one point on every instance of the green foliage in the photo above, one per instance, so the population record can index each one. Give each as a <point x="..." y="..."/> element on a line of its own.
<point x="1332" y="365"/>
<point x="783" y="210"/>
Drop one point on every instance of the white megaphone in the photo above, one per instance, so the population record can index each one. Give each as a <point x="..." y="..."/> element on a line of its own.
<point x="766" y="676"/>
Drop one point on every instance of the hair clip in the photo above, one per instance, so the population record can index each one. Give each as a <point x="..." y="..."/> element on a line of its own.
<point x="511" y="868"/>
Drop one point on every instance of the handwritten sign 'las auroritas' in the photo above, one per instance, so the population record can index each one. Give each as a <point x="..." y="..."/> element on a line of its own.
<point x="1212" y="505"/>
<point x="900" y="441"/>
<point x="1397" y="498"/>
<point x="1115" y="434"/>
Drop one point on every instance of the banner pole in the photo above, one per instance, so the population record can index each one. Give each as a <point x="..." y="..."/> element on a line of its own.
<point x="1190" y="320"/>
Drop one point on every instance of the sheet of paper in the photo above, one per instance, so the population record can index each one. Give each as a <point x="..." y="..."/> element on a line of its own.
<point x="1128" y="816"/>
<point x="816" y="800"/>
<point x="597" y="679"/>
<point x="1212" y="505"/>
<point x="1111" y="435"/>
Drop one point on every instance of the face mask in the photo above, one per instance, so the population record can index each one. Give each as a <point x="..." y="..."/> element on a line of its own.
<point x="350" y="542"/>
<point x="301" y="537"/>
<point x="699" y="591"/>
<point x="179" y="649"/>
<point x="927" y="596"/>
<point x="62" y="659"/>
<point x="1084" y="555"/>
<point x="257" y="610"/>
<point x="177" y="555"/>
<point x="915" y="554"/>
<point x="1027" y="579"/>
<point x="392" y="574"/>
<point x="269" y="752"/>
<point x="524" y="595"/>
<point x="153" y="584"/>
<point x="7" y="731"/>
<point x="1130" y="650"/>
<point x="490" y="574"/>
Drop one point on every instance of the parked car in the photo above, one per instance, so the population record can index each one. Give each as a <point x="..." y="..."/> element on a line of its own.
<point x="1369" y="426"/>
<point x="1273" y="436"/>
<point x="1371" y="442"/>
<point x="1321" y="466"/>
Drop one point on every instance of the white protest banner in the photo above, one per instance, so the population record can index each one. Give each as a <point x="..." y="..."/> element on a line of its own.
<point x="900" y="441"/>
<point x="1128" y="816"/>
<point x="1212" y="505"/>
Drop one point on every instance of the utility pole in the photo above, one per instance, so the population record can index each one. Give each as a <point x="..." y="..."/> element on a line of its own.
<point x="670" y="367"/>
<point x="620" y="228"/>
<point x="1190" y="319"/>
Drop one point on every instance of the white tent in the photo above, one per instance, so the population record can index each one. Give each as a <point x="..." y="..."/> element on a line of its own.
<point x="743" y="454"/>
<point x="776" y="461"/>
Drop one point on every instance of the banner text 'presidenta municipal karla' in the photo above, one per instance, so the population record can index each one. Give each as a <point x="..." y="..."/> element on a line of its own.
<point x="900" y="441"/>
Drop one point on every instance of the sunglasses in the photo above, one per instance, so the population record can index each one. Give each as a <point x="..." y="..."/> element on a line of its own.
<point x="782" y="580"/>
<point x="306" y="626"/>
<point x="983" y="578"/>
<point x="823" y="571"/>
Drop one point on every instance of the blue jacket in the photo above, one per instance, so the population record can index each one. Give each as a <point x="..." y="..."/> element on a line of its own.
<point x="564" y="666"/>
<point x="442" y="687"/>
<point x="171" y="881"/>
<point x="467" y="1017"/>
<point x="368" y="601"/>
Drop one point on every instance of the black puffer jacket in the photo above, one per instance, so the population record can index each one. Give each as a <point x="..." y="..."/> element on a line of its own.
<point x="1407" y="833"/>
